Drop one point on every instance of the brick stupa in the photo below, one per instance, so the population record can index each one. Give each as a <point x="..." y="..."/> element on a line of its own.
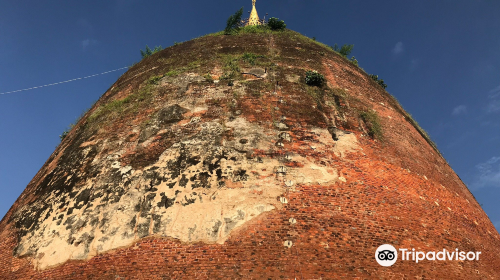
<point x="213" y="159"/>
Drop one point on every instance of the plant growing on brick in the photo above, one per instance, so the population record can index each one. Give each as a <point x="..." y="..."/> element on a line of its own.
<point x="379" y="81"/>
<point x="255" y="29"/>
<point x="354" y="61"/>
<point x="372" y="122"/>
<point x="66" y="131"/>
<point x="148" y="51"/>
<point x="344" y="51"/>
<point x="233" y="22"/>
<point x="208" y="78"/>
<point x="231" y="69"/>
<point x="276" y="24"/>
<point x="313" y="78"/>
<point x="250" y="58"/>
<point x="154" y="80"/>
<point x="421" y="131"/>
<point x="71" y="125"/>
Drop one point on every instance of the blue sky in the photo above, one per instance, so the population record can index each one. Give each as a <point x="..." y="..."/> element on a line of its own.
<point x="440" y="59"/>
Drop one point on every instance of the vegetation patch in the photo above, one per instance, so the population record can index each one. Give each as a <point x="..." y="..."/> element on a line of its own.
<point x="148" y="52"/>
<point x="339" y="96"/>
<point x="154" y="80"/>
<point x="129" y="104"/>
<point x="372" y="122"/>
<point x="276" y="24"/>
<point x="209" y="78"/>
<point x="172" y="73"/>
<point x="193" y="65"/>
<point x="250" y="58"/>
<point x="254" y="29"/>
<point x="422" y="132"/>
<point x="219" y="33"/>
<point x="354" y="61"/>
<point x="378" y="81"/>
<point x="67" y="130"/>
<point x="313" y="78"/>
<point x="337" y="91"/>
<point x="233" y="25"/>
<point x="175" y="72"/>
<point x="318" y="95"/>
<point x="414" y="123"/>
<point x="233" y="22"/>
<point x="71" y="125"/>
<point x="295" y="36"/>
<point x="344" y="51"/>
<point x="231" y="67"/>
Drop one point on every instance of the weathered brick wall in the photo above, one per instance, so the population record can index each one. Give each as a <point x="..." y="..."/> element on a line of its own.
<point x="338" y="229"/>
<point x="396" y="190"/>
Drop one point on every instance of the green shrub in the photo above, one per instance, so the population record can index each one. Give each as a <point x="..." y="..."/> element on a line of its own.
<point x="66" y="131"/>
<point x="313" y="78"/>
<point x="371" y="119"/>
<point x="276" y="24"/>
<point x="354" y="61"/>
<point x="344" y="51"/>
<point x="233" y="22"/>
<point x="379" y="81"/>
<point x="148" y="52"/>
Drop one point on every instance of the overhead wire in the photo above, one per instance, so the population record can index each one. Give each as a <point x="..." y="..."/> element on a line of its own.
<point x="67" y="81"/>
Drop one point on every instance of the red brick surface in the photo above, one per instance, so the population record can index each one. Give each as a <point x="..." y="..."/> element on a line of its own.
<point x="399" y="191"/>
<point x="338" y="230"/>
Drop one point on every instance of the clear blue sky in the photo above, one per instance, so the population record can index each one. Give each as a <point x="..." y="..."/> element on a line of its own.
<point x="441" y="59"/>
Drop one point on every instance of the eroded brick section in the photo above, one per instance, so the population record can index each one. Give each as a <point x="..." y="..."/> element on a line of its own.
<point x="172" y="176"/>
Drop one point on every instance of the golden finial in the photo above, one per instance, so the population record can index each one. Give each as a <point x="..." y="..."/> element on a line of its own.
<point x="254" y="17"/>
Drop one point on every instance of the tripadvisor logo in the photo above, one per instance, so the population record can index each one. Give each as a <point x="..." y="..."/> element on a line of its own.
<point x="387" y="255"/>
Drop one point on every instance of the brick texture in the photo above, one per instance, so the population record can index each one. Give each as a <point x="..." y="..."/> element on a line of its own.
<point x="397" y="191"/>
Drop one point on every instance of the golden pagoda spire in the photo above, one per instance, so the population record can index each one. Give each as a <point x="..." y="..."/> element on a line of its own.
<point x="254" y="17"/>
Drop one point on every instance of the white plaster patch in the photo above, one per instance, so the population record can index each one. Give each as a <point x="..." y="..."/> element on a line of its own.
<point x="312" y="173"/>
<point x="199" y="190"/>
<point x="347" y="143"/>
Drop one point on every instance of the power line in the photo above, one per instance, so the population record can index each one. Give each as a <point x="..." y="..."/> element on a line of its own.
<point x="53" y="84"/>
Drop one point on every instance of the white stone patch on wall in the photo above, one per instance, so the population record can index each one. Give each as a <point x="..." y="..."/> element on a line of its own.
<point x="199" y="190"/>
<point x="311" y="173"/>
<point x="347" y="143"/>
